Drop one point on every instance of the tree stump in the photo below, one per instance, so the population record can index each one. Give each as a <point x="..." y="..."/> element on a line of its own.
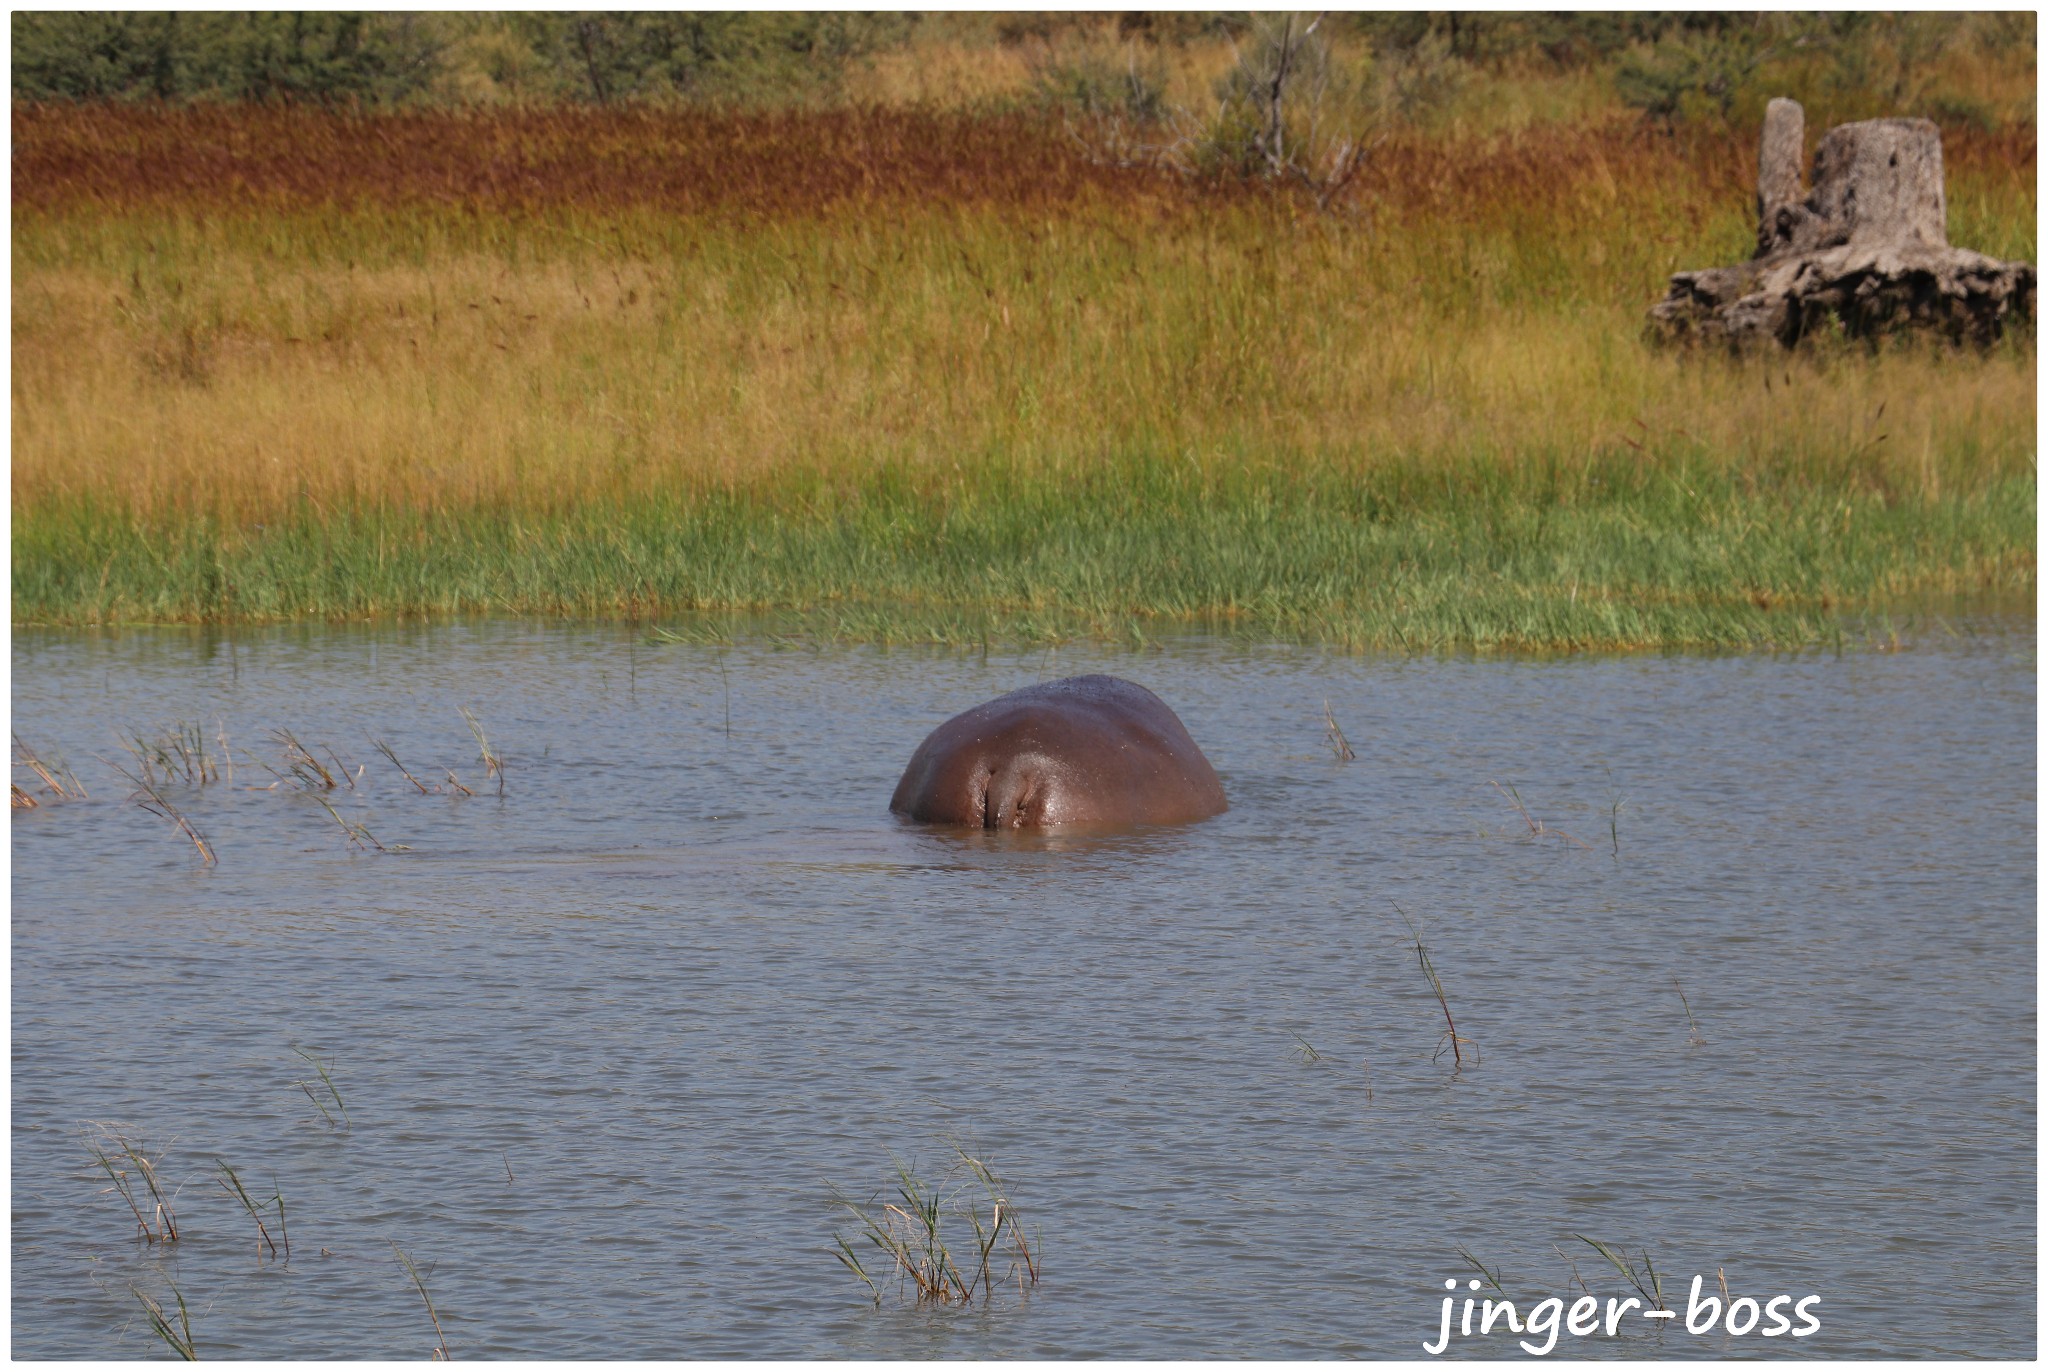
<point x="1868" y="247"/>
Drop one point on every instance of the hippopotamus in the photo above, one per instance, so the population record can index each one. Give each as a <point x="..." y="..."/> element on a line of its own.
<point x="1087" y="750"/>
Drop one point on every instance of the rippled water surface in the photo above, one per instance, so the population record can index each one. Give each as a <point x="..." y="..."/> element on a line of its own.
<point x="608" y="1043"/>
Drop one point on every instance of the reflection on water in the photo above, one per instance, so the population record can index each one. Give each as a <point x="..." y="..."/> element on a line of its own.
<point x="608" y="1044"/>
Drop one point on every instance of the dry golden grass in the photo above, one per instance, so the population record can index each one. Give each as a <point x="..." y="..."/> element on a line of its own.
<point x="461" y="384"/>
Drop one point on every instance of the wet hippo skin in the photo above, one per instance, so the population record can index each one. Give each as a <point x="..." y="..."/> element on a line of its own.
<point x="1087" y="750"/>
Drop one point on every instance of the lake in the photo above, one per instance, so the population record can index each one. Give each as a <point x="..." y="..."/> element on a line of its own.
<point x="1740" y="951"/>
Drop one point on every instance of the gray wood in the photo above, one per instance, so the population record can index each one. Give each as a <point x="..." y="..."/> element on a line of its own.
<point x="1779" y="187"/>
<point x="1880" y="181"/>
<point x="1868" y="247"/>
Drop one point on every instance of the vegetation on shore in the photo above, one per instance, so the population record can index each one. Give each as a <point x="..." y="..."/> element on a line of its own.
<point x="958" y="373"/>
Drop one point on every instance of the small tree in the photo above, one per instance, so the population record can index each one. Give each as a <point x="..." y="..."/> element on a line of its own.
<point x="1291" y="109"/>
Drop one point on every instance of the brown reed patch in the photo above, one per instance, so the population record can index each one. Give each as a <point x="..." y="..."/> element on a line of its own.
<point x="798" y="162"/>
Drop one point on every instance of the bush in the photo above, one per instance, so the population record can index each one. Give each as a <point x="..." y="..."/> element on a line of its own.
<point x="604" y="57"/>
<point x="1098" y="81"/>
<point x="316" y="56"/>
<point x="383" y="59"/>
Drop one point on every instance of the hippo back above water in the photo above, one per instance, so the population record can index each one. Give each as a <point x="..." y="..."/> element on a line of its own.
<point x="1087" y="750"/>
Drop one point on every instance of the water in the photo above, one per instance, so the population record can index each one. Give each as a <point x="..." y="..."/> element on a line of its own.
<point x="607" y="1044"/>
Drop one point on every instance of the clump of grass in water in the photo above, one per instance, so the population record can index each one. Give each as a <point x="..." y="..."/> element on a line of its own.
<point x="1451" y="1038"/>
<point x="179" y="753"/>
<point x="178" y="1336"/>
<point x="124" y="1160"/>
<point x="327" y="1081"/>
<point x="312" y="777"/>
<point x="1303" y="1049"/>
<point x="308" y="771"/>
<point x="911" y="1234"/>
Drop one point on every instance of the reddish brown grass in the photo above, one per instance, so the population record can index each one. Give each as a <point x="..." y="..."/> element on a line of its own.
<point x="681" y="161"/>
<point x="792" y="162"/>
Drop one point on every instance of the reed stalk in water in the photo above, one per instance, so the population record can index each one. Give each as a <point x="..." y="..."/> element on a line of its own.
<point x="179" y="1335"/>
<point x="148" y="796"/>
<point x="1694" y="1038"/>
<point x="359" y="836"/>
<point x="1537" y="828"/>
<point x="419" y="1283"/>
<point x="1451" y="1038"/>
<point x="1647" y="1282"/>
<point x="385" y="748"/>
<point x="1333" y="734"/>
<point x="494" y="766"/>
<point x="58" y="779"/>
<point x="327" y="1083"/>
<point x="229" y="1182"/>
<point x="1490" y="1275"/>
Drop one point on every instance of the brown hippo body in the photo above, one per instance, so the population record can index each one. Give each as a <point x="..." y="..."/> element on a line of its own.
<point x="1088" y="750"/>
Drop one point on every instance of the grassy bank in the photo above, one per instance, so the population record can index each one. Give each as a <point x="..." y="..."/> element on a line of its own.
<point x="917" y="374"/>
<point x="1596" y="558"/>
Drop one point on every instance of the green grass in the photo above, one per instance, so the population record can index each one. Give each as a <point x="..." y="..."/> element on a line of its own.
<point x="1597" y="557"/>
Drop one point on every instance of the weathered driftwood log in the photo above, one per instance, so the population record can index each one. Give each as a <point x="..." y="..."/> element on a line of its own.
<point x="1869" y="247"/>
